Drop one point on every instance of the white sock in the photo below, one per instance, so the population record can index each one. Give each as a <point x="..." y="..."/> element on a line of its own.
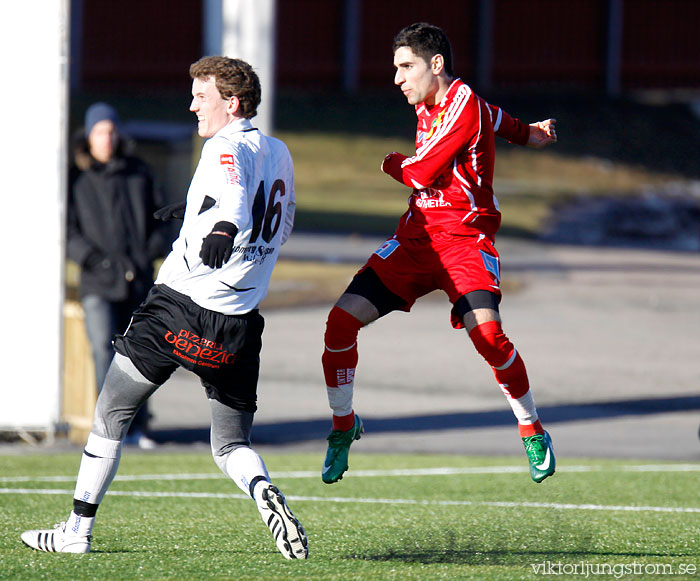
<point x="243" y="466"/>
<point x="97" y="468"/>
<point x="80" y="526"/>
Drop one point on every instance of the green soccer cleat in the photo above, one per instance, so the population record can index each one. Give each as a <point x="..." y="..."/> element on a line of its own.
<point x="336" y="462"/>
<point x="540" y="454"/>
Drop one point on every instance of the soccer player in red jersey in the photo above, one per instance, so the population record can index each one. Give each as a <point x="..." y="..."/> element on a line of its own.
<point x="444" y="241"/>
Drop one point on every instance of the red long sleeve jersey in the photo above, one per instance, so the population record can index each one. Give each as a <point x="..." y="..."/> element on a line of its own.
<point x="452" y="171"/>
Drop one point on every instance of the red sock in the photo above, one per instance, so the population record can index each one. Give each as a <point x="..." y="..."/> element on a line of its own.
<point x="339" y="362"/>
<point x="513" y="379"/>
<point x="339" y="368"/>
<point x="340" y="354"/>
<point x="527" y="430"/>
<point x="344" y="423"/>
<point x="508" y="367"/>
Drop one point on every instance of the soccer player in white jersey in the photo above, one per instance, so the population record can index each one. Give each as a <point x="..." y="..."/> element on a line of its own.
<point x="202" y="314"/>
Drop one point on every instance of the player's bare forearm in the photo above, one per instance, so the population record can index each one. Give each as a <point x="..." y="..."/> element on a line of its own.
<point x="542" y="133"/>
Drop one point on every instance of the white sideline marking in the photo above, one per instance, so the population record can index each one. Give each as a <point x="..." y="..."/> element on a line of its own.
<point x="381" y="473"/>
<point x="405" y="501"/>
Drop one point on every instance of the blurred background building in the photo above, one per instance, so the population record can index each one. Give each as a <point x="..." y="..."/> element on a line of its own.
<point x="606" y="45"/>
<point x="333" y="57"/>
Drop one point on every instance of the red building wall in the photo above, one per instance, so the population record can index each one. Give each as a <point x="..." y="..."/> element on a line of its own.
<point x="150" y="43"/>
<point x="543" y="42"/>
<point x="661" y="44"/>
<point x="382" y="20"/>
<point x="309" y="43"/>
<point x="139" y="43"/>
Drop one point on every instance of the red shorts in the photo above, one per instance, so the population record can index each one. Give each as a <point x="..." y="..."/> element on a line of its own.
<point x="412" y="268"/>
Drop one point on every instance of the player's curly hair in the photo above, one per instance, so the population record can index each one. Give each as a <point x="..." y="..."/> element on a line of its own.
<point x="426" y="40"/>
<point x="232" y="77"/>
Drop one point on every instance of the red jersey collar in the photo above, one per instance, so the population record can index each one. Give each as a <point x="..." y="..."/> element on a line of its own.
<point x="422" y="107"/>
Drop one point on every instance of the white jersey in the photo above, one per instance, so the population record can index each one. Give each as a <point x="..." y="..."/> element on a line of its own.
<point x="246" y="178"/>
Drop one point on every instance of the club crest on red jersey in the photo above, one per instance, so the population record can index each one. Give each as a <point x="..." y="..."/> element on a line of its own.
<point x="423" y="136"/>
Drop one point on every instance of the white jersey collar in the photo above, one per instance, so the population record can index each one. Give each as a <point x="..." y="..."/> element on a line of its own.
<point x="235" y="126"/>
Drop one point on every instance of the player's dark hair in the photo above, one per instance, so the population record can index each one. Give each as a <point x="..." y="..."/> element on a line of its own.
<point x="232" y="77"/>
<point x="426" y="40"/>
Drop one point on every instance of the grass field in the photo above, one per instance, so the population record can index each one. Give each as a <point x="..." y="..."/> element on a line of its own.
<point x="173" y="516"/>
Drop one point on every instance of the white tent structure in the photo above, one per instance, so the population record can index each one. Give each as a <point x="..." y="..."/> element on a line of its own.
<point x="33" y="158"/>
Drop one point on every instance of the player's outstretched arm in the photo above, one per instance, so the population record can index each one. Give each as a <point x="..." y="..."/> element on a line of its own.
<point x="542" y="133"/>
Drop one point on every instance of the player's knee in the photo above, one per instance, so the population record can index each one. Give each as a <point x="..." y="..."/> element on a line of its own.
<point x="122" y="394"/>
<point x="341" y="329"/>
<point x="370" y="287"/>
<point x="111" y="423"/>
<point x="220" y="458"/>
<point x="492" y="344"/>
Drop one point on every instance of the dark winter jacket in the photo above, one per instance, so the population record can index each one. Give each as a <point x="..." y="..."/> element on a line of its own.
<point x="111" y="231"/>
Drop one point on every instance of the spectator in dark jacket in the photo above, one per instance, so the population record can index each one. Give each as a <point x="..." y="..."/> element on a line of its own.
<point x="113" y="236"/>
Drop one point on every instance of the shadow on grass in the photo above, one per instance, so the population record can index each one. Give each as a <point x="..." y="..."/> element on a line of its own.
<point x="290" y="432"/>
<point x="529" y="559"/>
<point x="453" y="548"/>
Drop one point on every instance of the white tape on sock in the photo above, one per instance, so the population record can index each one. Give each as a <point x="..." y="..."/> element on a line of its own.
<point x="524" y="408"/>
<point x="340" y="399"/>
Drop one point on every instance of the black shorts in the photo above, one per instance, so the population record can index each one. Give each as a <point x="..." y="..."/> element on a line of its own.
<point x="170" y="330"/>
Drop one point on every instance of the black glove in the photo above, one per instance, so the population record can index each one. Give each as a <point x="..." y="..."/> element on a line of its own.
<point x="217" y="246"/>
<point x="171" y="212"/>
